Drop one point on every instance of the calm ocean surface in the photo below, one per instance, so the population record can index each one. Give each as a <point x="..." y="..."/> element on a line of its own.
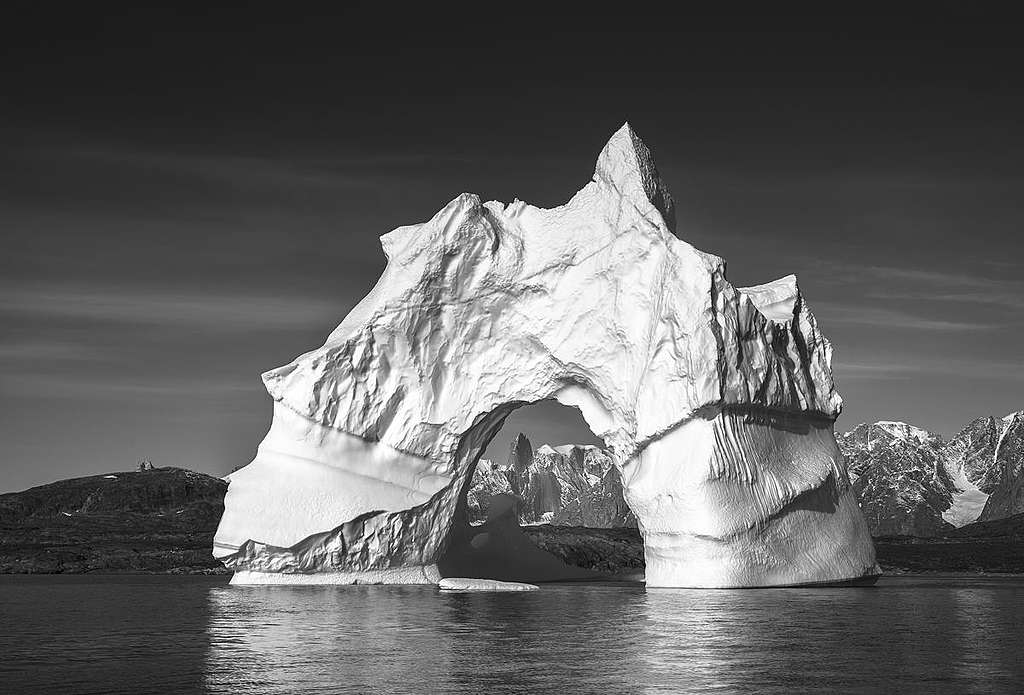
<point x="159" y="634"/>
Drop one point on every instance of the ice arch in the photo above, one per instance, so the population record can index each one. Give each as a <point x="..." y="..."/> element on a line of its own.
<point x="718" y="403"/>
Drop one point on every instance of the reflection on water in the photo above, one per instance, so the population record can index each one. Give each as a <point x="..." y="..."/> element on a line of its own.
<point x="979" y="616"/>
<point x="163" y="634"/>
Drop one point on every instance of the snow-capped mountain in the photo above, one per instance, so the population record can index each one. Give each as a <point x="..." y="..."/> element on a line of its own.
<point x="900" y="478"/>
<point x="912" y="482"/>
<point x="568" y="485"/>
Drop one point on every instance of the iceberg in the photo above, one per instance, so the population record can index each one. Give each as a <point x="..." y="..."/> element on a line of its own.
<point x="715" y="403"/>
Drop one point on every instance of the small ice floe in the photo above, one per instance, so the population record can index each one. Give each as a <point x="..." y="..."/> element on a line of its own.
<point x="180" y="511"/>
<point x="460" y="584"/>
<point x="110" y="477"/>
<point x="65" y="514"/>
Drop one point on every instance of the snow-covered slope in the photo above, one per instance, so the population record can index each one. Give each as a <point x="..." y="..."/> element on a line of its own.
<point x="716" y="402"/>
<point x="1006" y="497"/>
<point x="971" y="457"/>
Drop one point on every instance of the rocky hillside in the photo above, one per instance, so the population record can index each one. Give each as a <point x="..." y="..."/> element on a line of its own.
<point x="566" y="486"/>
<point x="155" y="520"/>
<point x="912" y="482"/>
<point x="899" y="475"/>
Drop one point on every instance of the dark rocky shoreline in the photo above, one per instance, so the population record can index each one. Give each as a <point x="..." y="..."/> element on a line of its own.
<point x="984" y="547"/>
<point x="991" y="547"/>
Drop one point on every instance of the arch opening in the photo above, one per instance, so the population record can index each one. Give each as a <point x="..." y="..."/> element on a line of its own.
<point x="544" y="506"/>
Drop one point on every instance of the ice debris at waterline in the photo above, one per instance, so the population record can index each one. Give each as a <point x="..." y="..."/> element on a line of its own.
<point x="716" y="403"/>
<point x="463" y="584"/>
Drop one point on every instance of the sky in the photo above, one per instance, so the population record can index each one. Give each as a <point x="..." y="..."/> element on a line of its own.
<point x="189" y="200"/>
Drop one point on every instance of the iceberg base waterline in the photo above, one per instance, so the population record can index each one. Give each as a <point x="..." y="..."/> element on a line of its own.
<point x="402" y="575"/>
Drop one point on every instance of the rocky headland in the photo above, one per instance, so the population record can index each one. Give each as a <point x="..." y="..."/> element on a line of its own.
<point x="160" y="520"/>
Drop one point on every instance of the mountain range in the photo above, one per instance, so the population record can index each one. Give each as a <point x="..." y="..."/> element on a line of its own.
<point x="912" y="482"/>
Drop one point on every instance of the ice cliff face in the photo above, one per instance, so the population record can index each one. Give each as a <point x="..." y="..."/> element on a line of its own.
<point x="716" y="403"/>
<point x="567" y="485"/>
<point x="912" y="482"/>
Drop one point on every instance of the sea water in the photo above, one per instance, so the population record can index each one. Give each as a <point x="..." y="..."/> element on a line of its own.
<point x="162" y="634"/>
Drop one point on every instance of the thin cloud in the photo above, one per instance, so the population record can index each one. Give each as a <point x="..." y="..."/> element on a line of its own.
<point x="149" y="389"/>
<point x="49" y="350"/>
<point x="200" y="310"/>
<point x="911" y="368"/>
<point x="356" y="172"/>
<point x="1003" y="265"/>
<point x="1009" y="300"/>
<point x="850" y="314"/>
<point x="233" y="171"/>
<point x="875" y="372"/>
<point x="954" y="287"/>
<point x="893" y="282"/>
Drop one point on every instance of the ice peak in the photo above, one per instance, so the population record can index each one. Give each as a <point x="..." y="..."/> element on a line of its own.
<point x="776" y="300"/>
<point x="626" y="164"/>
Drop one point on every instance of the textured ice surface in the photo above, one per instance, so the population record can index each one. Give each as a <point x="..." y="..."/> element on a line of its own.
<point x="716" y="403"/>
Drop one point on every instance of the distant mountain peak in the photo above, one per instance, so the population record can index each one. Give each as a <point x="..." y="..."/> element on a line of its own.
<point x="905" y="430"/>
